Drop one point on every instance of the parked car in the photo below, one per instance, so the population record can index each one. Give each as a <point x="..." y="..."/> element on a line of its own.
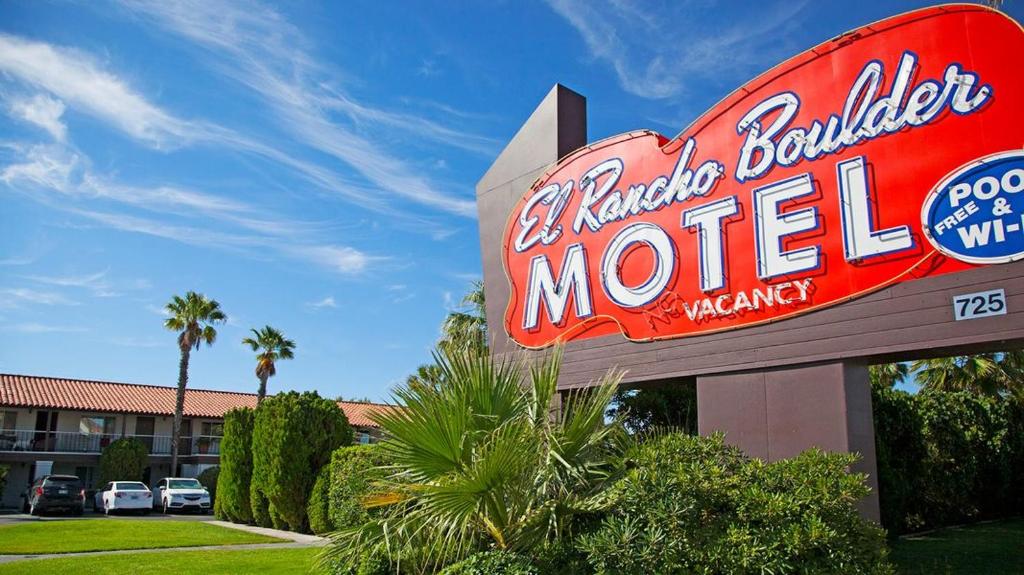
<point x="53" y="492"/>
<point x="180" y="493"/>
<point x="124" y="496"/>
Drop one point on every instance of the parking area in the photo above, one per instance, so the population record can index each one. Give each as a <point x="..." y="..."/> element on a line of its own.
<point x="9" y="517"/>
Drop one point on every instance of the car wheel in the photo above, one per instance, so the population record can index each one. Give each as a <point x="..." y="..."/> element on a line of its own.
<point x="147" y="511"/>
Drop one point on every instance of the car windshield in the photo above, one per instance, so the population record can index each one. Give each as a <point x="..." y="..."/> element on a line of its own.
<point x="183" y="484"/>
<point x="62" y="481"/>
<point x="131" y="486"/>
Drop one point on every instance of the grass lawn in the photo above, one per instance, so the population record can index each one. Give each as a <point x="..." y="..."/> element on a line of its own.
<point x="106" y="534"/>
<point x="263" y="561"/>
<point x="989" y="548"/>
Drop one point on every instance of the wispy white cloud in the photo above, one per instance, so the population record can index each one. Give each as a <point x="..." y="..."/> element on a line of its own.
<point x="99" y="283"/>
<point x="145" y="342"/>
<point x="257" y="47"/>
<point x="77" y="78"/>
<point x="637" y="41"/>
<point x="46" y="169"/>
<point x="33" y="327"/>
<point x="14" y="296"/>
<point x="43" y="111"/>
<point x="326" y="302"/>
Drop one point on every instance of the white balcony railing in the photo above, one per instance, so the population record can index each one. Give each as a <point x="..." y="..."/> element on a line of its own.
<point x="73" y="442"/>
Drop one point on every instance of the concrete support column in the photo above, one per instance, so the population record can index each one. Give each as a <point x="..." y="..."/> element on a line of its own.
<point x="778" y="413"/>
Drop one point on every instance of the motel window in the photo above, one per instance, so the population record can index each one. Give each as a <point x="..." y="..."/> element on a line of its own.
<point x="96" y="426"/>
<point x="364" y="438"/>
<point x="212" y="428"/>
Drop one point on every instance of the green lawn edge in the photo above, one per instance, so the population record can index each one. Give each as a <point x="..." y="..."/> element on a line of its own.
<point x="295" y="561"/>
<point x="85" y="535"/>
<point x="990" y="548"/>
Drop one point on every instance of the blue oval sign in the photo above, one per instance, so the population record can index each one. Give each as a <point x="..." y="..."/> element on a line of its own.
<point x="976" y="214"/>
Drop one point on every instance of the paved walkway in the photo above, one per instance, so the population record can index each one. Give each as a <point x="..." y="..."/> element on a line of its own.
<point x="296" y="540"/>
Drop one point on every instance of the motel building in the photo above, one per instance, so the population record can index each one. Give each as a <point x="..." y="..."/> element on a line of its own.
<point x="52" y="425"/>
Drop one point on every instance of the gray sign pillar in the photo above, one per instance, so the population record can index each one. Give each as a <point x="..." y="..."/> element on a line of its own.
<point x="778" y="413"/>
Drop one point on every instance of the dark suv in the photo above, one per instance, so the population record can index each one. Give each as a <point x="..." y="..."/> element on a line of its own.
<point x="52" y="492"/>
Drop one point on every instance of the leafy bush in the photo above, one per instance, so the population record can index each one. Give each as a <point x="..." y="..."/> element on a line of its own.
<point x="968" y="466"/>
<point x="209" y="478"/>
<point x="901" y="453"/>
<point x="492" y="563"/>
<point x="671" y="406"/>
<point x="293" y="437"/>
<point x="697" y="505"/>
<point x="353" y="472"/>
<point x="235" y="477"/>
<point x="318" y="508"/>
<point x="124" y="459"/>
<point x="947" y="457"/>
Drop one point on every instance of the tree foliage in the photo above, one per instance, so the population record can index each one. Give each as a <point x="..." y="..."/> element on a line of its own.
<point x="888" y="374"/>
<point x="671" y="406"/>
<point x="235" y="477"/>
<point x="293" y="437"/>
<point x="357" y="472"/>
<point x="272" y="347"/>
<point x="946" y="458"/>
<point x="991" y="374"/>
<point x="486" y="460"/>
<point x="124" y="459"/>
<point x="466" y="327"/>
<point x="193" y="318"/>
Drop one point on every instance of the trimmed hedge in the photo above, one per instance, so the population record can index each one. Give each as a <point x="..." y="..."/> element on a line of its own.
<point x="946" y="458"/>
<point x="697" y="505"/>
<point x="124" y="459"/>
<point x="293" y="437"/>
<point x="354" y="469"/>
<point x="235" y="477"/>
<point x="318" y="508"/>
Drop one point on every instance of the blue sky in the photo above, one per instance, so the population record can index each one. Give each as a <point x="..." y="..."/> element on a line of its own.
<point x="309" y="165"/>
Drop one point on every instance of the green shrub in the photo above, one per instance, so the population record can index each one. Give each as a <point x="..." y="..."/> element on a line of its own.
<point x="353" y="469"/>
<point x="293" y="437"/>
<point x="492" y="563"/>
<point x="235" y="477"/>
<point x="697" y="505"/>
<point x="209" y="478"/>
<point x="901" y="454"/>
<point x="124" y="459"/>
<point x="968" y="464"/>
<point x="318" y="508"/>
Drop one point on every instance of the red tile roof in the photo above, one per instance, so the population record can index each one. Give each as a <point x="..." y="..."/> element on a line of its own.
<point x="105" y="396"/>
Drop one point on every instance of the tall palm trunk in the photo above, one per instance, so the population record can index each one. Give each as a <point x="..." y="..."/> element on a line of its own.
<point x="179" y="407"/>
<point x="262" y="390"/>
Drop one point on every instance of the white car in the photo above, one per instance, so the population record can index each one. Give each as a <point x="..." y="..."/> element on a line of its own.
<point x="124" y="496"/>
<point x="180" y="493"/>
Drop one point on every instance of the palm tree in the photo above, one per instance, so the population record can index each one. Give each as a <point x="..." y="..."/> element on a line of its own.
<point x="887" y="375"/>
<point x="485" y="459"/>
<point x="466" y="327"/>
<point x="193" y="317"/>
<point x="272" y="346"/>
<point x="978" y="373"/>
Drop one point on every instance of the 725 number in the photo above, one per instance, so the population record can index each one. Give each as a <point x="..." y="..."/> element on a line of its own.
<point x="980" y="304"/>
